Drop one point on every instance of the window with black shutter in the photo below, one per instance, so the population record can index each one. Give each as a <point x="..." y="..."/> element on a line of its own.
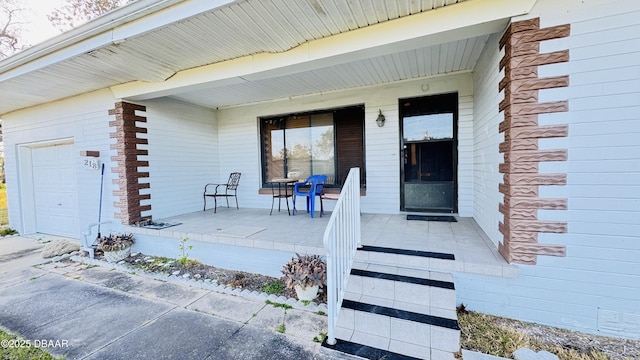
<point x="328" y="142"/>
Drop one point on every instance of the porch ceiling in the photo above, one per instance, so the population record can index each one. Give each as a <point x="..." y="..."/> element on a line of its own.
<point x="153" y="47"/>
<point x="438" y="59"/>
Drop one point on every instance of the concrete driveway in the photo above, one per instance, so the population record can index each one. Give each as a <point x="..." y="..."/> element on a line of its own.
<point x="87" y="312"/>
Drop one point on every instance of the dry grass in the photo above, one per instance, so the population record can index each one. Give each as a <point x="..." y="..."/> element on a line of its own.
<point x="501" y="337"/>
<point x="3" y="205"/>
<point x="3" y="196"/>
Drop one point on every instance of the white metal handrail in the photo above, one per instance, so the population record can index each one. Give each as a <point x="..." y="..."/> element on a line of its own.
<point x="341" y="240"/>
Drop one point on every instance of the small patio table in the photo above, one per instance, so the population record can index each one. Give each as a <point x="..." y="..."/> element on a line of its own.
<point x="281" y="183"/>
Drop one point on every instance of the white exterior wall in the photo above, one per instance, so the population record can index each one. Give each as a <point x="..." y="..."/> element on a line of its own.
<point x="183" y="156"/>
<point x="239" y="139"/>
<point x="596" y="287"/>
<point x="486" y="156"/>
<point x="466" y="135"/>
<point x="188" y="147"/>
<point x="84" y="120"/>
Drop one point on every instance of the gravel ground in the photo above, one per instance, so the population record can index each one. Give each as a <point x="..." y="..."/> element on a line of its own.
<point x="615" y="348"/>
<point x="233" y="278"/>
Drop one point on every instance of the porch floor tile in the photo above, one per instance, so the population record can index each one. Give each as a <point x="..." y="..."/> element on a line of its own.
<point x="472" y="249"/>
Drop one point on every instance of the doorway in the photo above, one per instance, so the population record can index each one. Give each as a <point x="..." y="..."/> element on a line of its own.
<point x="429" y="153"/>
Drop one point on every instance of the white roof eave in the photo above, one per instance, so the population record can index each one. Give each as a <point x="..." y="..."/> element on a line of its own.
<point x="111" y="28"/>
<point x="130" y="31"/>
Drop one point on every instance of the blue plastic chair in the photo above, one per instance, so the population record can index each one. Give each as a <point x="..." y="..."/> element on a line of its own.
<point x="315" y="183"/>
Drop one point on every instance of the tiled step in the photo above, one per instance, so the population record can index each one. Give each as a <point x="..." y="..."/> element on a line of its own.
<point x="405" y="311"/>
<point x="402" y="278"/>
<point x="408" y="258"/>
<point x="400" y="286"/>
<point x="404" y="332"/>
<point x="427" y="254"/>
<point x="401" y="314"/>
<point x="364" y="351"/>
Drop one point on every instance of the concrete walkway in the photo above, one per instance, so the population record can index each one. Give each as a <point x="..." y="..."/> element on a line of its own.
<point x="88" y="312"/>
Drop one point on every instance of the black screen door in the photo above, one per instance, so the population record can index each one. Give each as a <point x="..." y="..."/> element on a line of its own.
<point x="429" y="156"/>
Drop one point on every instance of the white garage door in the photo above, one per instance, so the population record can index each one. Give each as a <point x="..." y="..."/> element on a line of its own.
<point x="55" y="192"/>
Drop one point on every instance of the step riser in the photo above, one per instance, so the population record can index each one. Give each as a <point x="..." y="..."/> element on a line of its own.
<point x="409" y="261"/>
<point x="402" y="291"/>
<point x="369" y="352"/>
<point x="397" y="350"/>
<point x="399" y="347"/>
<point x="380" y="330"/>
<point x="421" y="274"/>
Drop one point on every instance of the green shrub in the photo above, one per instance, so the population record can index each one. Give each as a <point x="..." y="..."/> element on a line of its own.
<point x="7" y="231"/>
<point x="275" y="287"/>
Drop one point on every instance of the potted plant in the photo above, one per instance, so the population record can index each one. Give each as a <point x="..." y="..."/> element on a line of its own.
<point x="306" y="274"/>
<point x="116" y="247"/>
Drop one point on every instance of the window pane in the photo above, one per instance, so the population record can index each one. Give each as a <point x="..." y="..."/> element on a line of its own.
<point x="428" y="127"/>
<point x="322" y="146"/>
<point x="273" y="148"/>
<point x="298" y="152"/>
<point x="299" y="145"/>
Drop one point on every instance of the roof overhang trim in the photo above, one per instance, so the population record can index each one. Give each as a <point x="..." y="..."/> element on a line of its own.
<point x="111" y="28"/>
<point x="467" y="19"/>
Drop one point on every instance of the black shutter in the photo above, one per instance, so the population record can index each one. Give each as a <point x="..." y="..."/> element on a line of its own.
<point x="349" y="142"/>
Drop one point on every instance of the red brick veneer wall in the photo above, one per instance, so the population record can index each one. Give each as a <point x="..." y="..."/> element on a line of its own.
<point x="521" y="177"/>
<point x="126" y="131"/>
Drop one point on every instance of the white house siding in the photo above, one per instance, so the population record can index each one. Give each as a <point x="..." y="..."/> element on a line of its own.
<point x="239" y="140"/>
<point x="486" y="157"/>
<point x="239" y="150"/>
<point x="82" y="121"/>
<point x="183" y="156"/>
<point x="465" y="154"/>
<point x="595" y="287"/>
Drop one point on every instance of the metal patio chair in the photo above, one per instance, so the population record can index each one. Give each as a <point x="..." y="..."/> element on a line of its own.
<point x="223" y="190"/>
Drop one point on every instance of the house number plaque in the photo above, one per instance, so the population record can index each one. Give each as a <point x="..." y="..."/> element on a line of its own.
<point x="90" y="163"/>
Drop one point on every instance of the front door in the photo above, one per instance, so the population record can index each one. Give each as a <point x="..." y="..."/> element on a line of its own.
<point x="429" y="153"/>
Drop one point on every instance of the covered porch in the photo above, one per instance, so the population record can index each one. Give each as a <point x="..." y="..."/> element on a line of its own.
<point x="252" y="235"/>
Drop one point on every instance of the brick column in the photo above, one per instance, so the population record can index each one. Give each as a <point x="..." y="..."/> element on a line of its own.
<point x="521" y="177"/>
<point x="126" y="131"/>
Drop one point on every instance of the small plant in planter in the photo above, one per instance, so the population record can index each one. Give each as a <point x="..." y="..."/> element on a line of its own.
<point x="116" y="247"/>
<point x="306" y="274"/>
